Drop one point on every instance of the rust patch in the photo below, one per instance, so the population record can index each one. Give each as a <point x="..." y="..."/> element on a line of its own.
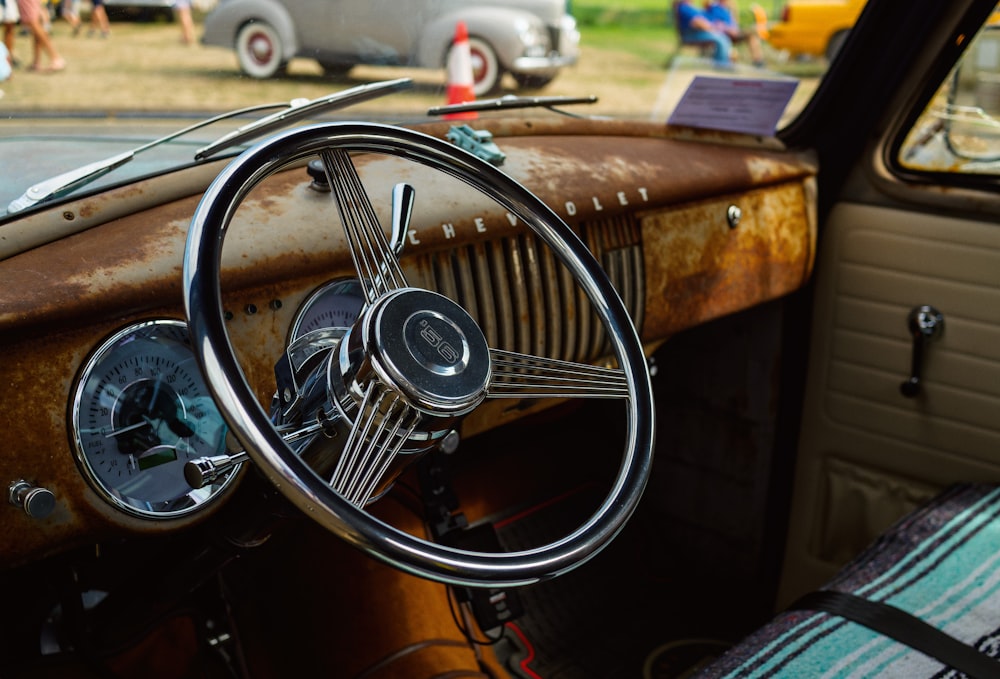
<point x="40" y="372"/>
<point x="698" y="268"/>
<point x="286" y="229"/>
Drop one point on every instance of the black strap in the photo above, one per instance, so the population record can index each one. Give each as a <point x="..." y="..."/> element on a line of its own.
<point x="904" y="628"/>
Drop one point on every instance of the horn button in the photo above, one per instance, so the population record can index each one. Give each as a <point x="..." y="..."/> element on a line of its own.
<point x="430" y="349"/>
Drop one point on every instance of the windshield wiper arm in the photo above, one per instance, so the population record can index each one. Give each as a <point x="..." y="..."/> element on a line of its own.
<point x="511" y="101"/>
<point x="67" y="182"/>
<point x="301" y="108"/>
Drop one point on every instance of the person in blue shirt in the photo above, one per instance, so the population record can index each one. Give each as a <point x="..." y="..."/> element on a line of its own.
<point x="720" y="14"/>
<point x="695" y="27"/>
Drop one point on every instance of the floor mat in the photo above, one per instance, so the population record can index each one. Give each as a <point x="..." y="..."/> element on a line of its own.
<point x="600" y="620"/>
<point x="682" y="658"/>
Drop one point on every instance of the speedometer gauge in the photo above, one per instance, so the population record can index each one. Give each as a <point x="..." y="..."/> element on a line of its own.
<point x="334" y="305"/>
<point x="142" y="410"/>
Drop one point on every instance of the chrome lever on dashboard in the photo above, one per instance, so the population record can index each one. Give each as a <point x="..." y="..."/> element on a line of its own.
<point x="925" y="324"/>
<point x="402" y="209"/>
<point x="205" y="470"/>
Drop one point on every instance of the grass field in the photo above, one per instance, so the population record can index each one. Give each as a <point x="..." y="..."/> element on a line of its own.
<point x="144" y="67"/>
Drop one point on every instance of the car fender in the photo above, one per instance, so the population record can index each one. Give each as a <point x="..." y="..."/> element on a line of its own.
<point x="500" y="26"/>
<point x="223" y="23"/>
<point x="827" y="33"/>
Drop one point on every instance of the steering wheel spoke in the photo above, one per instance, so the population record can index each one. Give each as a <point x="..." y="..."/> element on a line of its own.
<point x="523" y="376"/>
<point x="373" y="256"/>
<point x="384" y="423"/>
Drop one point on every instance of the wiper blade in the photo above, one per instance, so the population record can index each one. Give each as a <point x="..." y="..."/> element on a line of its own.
<point x="511" y="101"/>
<point x="302" y="108"/>
<point x="67" y="182"/>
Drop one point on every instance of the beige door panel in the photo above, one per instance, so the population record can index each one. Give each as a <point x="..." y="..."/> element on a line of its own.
<point x="867" y="454"/>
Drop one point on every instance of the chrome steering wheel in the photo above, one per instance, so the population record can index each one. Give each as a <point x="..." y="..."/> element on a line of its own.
<point x="414" y="362"/>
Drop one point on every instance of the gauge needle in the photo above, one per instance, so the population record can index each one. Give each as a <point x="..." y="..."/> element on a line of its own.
<point x="125" y="430"/>
<point x="156" y="392"/>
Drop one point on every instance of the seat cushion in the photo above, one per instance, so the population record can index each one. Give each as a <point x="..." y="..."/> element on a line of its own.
<point x="940" y="563"/>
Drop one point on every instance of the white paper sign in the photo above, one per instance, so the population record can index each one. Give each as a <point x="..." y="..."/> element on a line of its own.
<point x="734" y="104"/>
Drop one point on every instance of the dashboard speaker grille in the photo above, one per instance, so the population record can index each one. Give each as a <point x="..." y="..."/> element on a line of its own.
<point x="526" y="301"/>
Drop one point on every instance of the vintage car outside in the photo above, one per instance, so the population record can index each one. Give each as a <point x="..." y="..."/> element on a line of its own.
<point x="815" y="28"/>
<point x="530" y="39"/>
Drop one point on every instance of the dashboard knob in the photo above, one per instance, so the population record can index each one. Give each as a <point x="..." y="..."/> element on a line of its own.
<point x="36" y="501"/>
<point x="317" y="171"/>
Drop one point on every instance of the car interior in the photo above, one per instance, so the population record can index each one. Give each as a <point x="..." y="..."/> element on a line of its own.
<point x="345" y="398"/>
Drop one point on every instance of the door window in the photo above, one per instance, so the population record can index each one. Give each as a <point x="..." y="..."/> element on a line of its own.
<point x="959" y="131"/>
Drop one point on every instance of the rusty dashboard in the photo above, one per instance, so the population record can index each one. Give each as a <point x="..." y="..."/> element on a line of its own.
<point x="688" y="228"/>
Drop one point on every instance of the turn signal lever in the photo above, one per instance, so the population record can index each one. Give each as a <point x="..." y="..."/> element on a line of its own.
<point x="206" y="470"/>
<point x="925" y="323"/>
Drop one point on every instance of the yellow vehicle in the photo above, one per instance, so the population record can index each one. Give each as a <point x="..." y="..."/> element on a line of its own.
<point x="815" y="27"/>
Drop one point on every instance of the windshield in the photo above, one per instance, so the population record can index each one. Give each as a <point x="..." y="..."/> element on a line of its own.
<point x="627" y="53"/>
<point x="130" y="71"/>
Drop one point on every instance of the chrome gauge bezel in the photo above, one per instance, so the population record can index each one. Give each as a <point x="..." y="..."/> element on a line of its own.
<point x="102" y="359"/>
<point x="338" y="286"/>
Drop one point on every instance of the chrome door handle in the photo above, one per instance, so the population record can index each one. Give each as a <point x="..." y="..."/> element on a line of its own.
<point x="925" y="323"/>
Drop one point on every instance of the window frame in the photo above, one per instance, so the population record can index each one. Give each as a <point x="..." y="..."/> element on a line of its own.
<point x="894" y="94"/>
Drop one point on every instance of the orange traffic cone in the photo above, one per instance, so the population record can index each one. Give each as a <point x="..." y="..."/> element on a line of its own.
<point x="460" y="72"/>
